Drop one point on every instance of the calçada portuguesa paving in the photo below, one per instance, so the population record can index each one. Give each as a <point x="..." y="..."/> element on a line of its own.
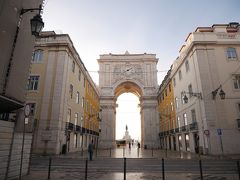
<point x="143" y="164"/>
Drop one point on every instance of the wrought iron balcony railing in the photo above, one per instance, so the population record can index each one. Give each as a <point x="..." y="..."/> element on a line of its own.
<point x="193" y="126"/>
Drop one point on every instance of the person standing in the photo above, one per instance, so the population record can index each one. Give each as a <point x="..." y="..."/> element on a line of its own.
<point x="90" y="150"/>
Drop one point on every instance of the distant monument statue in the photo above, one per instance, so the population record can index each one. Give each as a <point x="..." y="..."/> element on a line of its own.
<point x="127" y="137"/>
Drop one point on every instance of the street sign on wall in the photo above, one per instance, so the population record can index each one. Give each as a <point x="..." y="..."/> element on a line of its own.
<point x="219" y="131"/>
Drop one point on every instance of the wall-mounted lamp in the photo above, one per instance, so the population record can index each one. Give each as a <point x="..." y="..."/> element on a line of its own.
<point x="185" y="98"/>
<point x="37" y="23"/>
<point x="221" y="93"/>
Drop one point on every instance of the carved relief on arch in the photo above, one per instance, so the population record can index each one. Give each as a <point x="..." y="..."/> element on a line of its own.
<point x="128" y="71"/>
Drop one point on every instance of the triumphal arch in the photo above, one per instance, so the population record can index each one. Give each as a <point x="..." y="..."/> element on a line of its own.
<point x="135" y="73"/>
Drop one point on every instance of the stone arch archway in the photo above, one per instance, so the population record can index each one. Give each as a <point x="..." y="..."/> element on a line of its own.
<point x="135" y="73"/>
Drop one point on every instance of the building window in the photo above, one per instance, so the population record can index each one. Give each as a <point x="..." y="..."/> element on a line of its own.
<point x="169" y="87"/>
<point x="166" y="92"/>
<point x="84" y="82"/>
<point x="83" y="102"/>
<point x="69" y="115"/>
<point x="187" y="65"/>
<point x="81" y="123"/>
<point x="174" y="82"/>
<point x="37" y="56"/>
<point x="190" y="90"/>
<point x="79" y="75"/>
<point x="185" y="119"/>
<point x="180" y="74"/>
<point x="76" y="118"/>
<point x="236" y="81"/>
<point x="231" y="53"/>
<point x="75" y="140"/>
<point x="86" y="105"/>
<point x="71" y="91"/>
<point x="88" y="89"/>
<point x="73" y="66"/>
<point x="178" y="121"/>
<point x="32" y="108"/>
<point x="33" y="82"/>
<point x="176" y="102"/>
<point x="171" y="106"/>
<point x="77" y="97"/>
<point x="193" y="112"/>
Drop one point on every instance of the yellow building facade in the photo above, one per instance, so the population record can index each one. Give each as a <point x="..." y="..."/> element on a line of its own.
<point x="167" y="113"/>
<point x="60" y="100"/>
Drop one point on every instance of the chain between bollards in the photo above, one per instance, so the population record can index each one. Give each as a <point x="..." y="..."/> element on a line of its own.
<point x="163" y="171"/>
<point x="86" y="169"/>
<point x="49" y="167"/>
<point x="124" y="169"/>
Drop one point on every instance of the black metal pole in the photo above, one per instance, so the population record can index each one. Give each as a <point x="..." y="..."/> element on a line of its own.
<point x="86" y="169"/>
<point x="200" y="166"/>
<point x="124" y="169"/>
<point x="49" y="167"/>
<point x="163" y="172"/>
<point x="123" y="152"/>
<point x="22" y="151"/>
<point x="166" y="152"/>
<point x="138" y="152"/>
<point x="110" y="152"/>
<point x="238" y="168"/>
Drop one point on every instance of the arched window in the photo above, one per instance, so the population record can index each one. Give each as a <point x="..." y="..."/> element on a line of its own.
<point x="37" y="56"/>
<point x="231" y="53"/>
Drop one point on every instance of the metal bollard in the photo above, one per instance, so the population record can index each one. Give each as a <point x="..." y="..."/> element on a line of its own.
<point x="200" y="166"/>
<point x="124" y="169"/>
<point x="166" y="152"/>
<point x="238" y="168"/>
<point x="82" y="152"/>
<point x="110" y="152"/>
<point x="163" y="172"/>
<point x="49" y="167"/>
<point x="86" y="169"/>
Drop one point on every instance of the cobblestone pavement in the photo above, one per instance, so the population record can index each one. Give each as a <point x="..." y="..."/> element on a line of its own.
<point x="104" y="155"/>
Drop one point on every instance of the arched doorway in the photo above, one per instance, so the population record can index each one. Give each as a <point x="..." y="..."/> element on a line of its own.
<point x="128" y="113"/>
<point x="128" y="116"/>
<point x="135" y="73"/>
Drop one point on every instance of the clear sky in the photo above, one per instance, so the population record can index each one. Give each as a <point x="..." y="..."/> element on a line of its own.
<point x="152" y="26"/>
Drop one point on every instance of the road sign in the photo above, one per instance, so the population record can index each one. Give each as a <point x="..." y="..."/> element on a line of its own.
<point x="219" y="131"/>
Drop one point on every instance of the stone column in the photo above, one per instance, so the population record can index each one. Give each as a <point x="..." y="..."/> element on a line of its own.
<point x="150" y="123"/>
<point x="107" y="135"/>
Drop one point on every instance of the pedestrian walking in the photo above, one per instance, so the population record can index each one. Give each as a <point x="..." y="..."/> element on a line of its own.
<point x="138" y="145"/>
<point x="90" y="150"/>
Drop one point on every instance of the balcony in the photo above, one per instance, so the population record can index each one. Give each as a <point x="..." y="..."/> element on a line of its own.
<point x="183" y="128"/>
<point x="83" y="130"/>
<point x="193" y="126"/>
<point x="177" y="130"/>
<point x="69" y="126"/>
<point x="78" y="128"/>
<point x="172" y="131"/>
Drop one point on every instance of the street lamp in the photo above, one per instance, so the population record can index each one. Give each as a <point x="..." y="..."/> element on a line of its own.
<point x="185" y="98"/>
<point x="221" y="93"/>
<point x="36" y="22"/>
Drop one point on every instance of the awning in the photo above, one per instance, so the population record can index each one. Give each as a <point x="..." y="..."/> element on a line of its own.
<point x="7" y="104"/>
